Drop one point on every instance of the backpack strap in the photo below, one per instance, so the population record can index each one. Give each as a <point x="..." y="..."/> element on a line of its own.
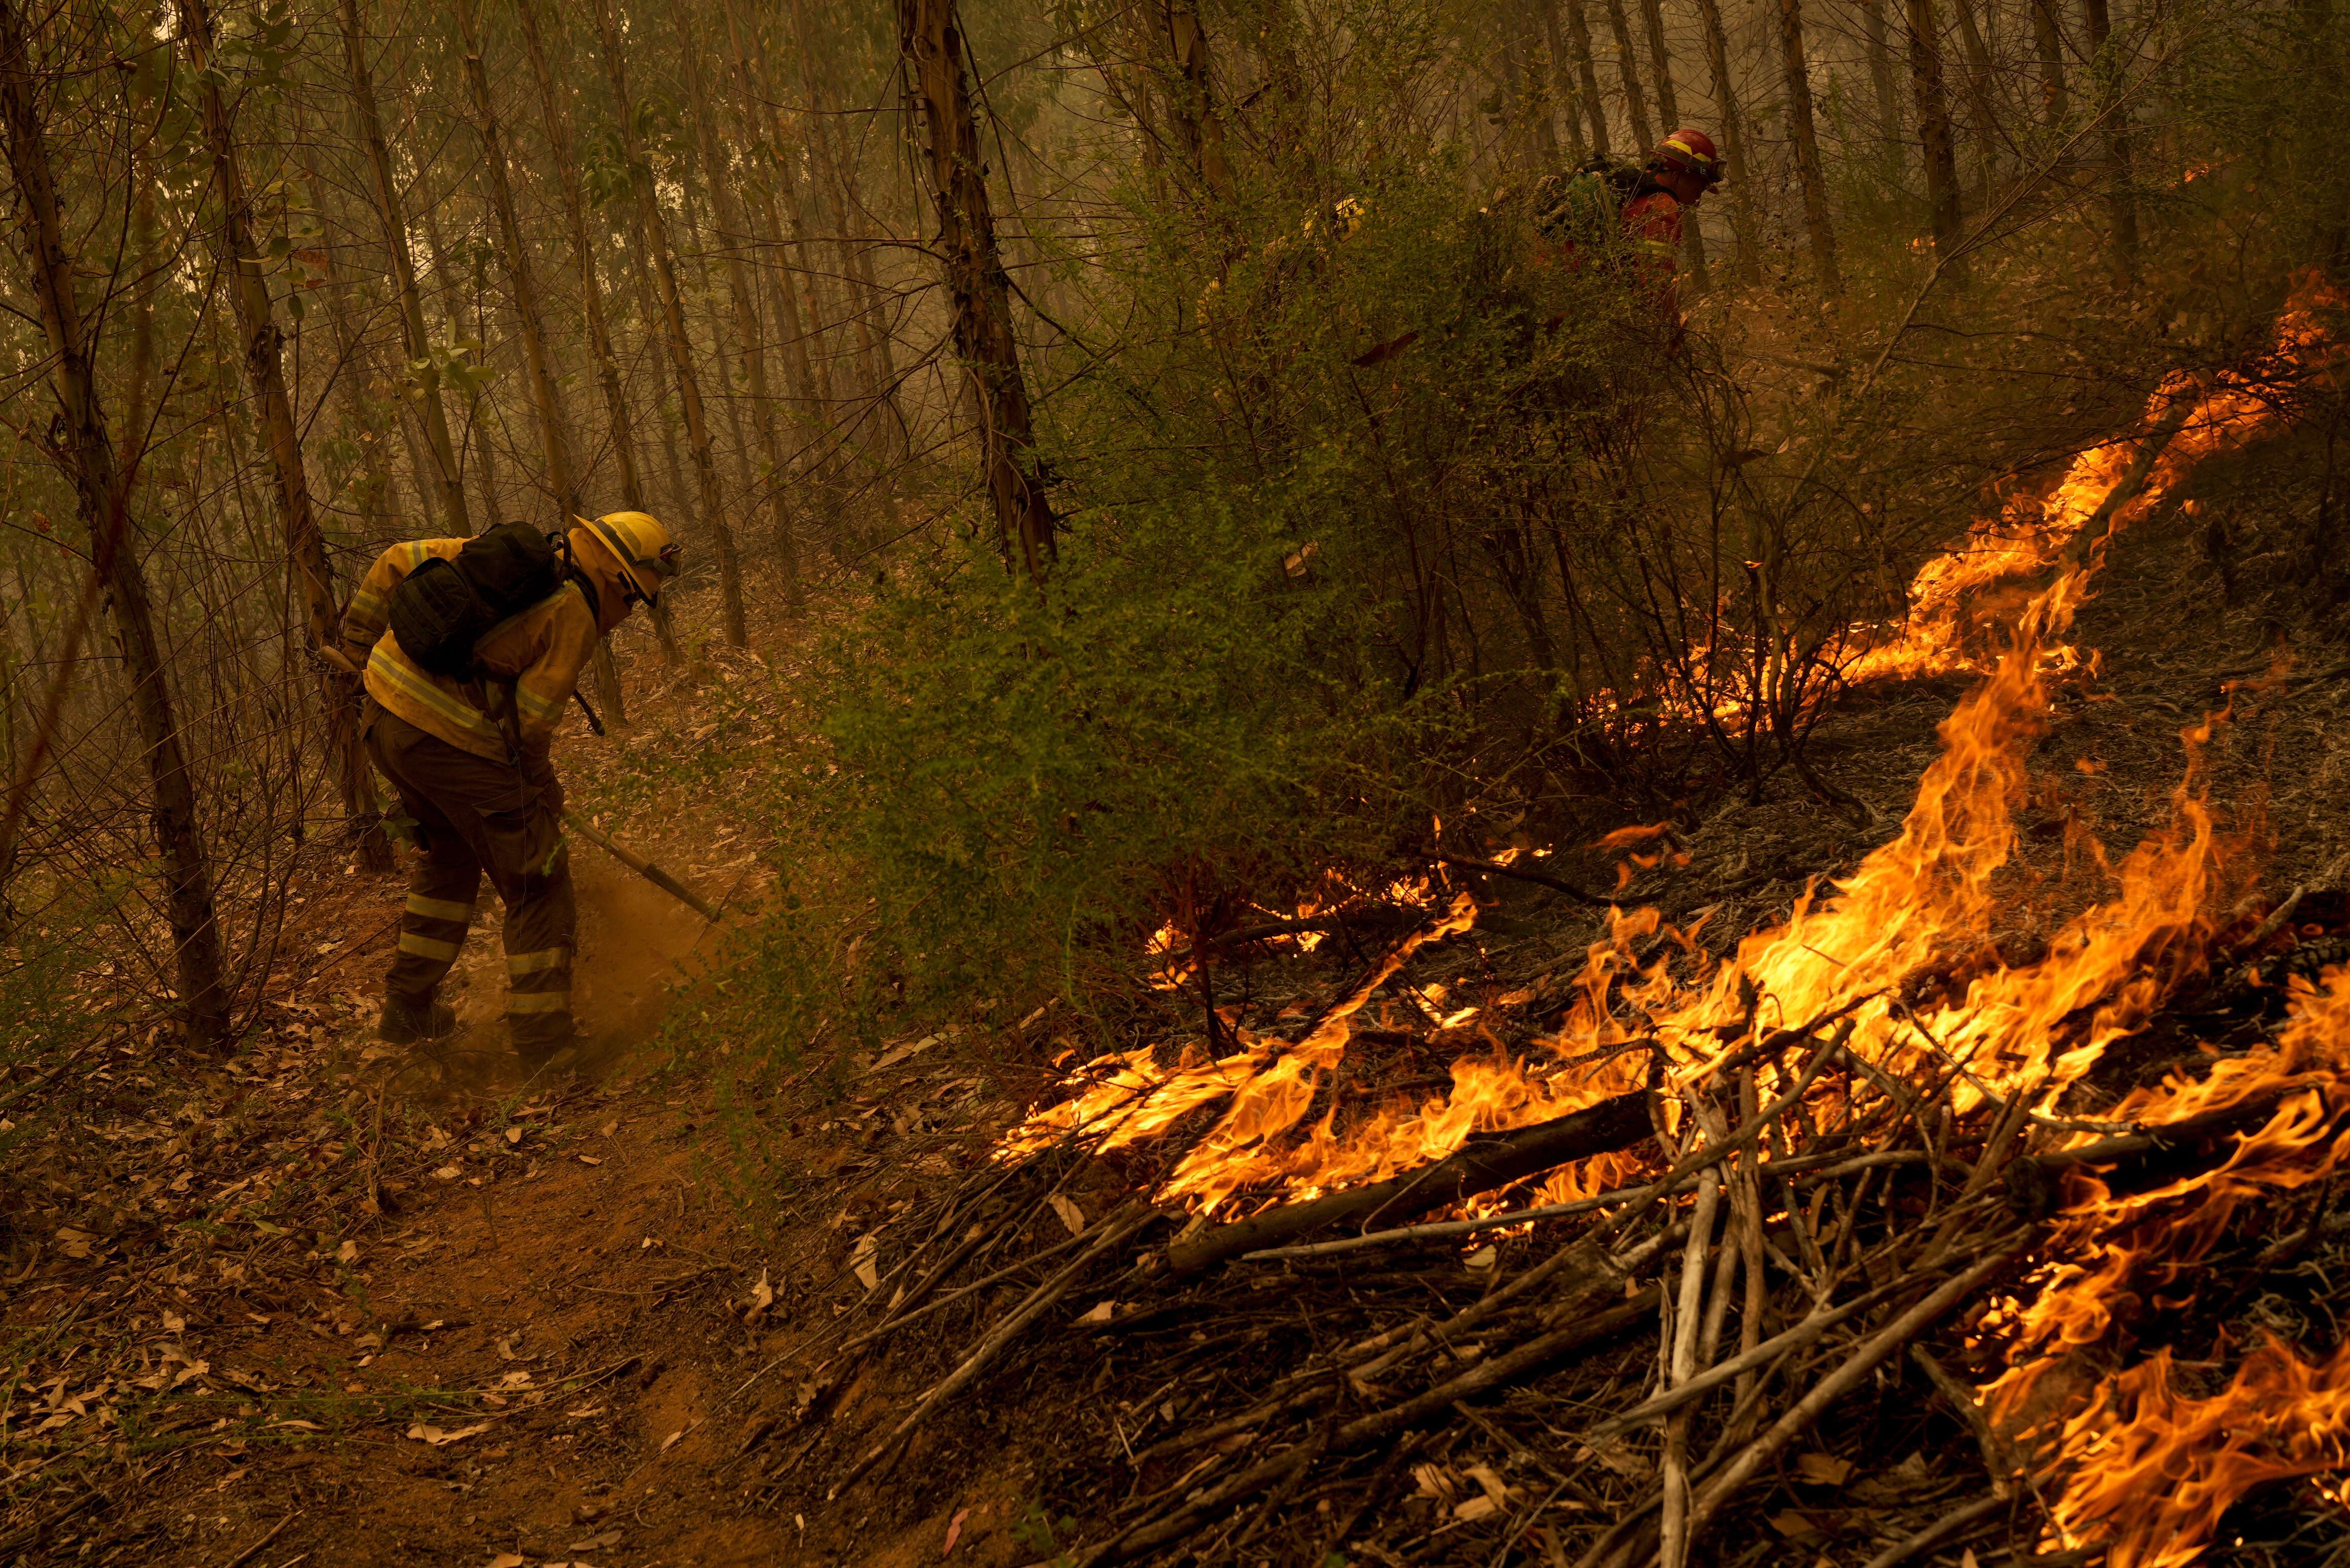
<point x="574" y="573"/>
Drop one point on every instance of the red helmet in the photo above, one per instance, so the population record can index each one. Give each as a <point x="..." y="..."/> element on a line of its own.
<point x="1690" y="151"/>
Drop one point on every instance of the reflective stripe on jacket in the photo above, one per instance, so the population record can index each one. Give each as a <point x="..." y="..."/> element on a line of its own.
<point x="536" y="656"/>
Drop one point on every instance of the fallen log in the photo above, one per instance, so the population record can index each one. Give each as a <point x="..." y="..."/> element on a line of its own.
<point x="1479" y="1167"/>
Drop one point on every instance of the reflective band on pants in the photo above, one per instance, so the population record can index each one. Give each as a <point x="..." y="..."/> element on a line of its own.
<point x="474" y="816"/>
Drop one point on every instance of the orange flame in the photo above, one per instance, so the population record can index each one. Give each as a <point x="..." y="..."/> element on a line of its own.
<point x="1926" y="904"/>
<point x="2030" y="534"/>
<point x="2143" y="1467"/>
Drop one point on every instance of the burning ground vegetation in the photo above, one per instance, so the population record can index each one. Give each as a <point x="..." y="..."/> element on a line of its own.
<point x="1980" y="1208"/>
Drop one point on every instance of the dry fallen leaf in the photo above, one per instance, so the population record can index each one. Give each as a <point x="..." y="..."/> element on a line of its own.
<point x="671" y="1441"/>
<point x="506" y="1559"/>
<point x="954" y="1530"/>
<point x="1482" y="1258"/>
<point x="1823" y="1470"/>
<point x="514" y="1134"/>
<point x="1493" y="1484"/>
<point x="595" y="1542"/>
<point x="861" y="1263"/>
<point x="1071" y="1215"/>
<point x="591" y="1159"/>
<point x="447" y="1173"/>
<point x="440" y="1439"/>
<point x="1476" y="1508"/>
<point x="763" y="1296"/>
<point x="1102" y="1313"/>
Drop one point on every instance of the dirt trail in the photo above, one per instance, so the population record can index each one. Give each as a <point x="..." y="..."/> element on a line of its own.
<point x="539" y="1350"/>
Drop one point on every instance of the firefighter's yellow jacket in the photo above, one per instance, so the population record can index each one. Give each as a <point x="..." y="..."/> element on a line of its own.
<point x="530" y="661"/>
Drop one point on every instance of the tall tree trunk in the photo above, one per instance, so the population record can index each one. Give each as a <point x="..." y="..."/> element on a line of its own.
<point x="1635" y="102"/>
<point x="731" y="239"/>
<point x="755" y="107"/>
<point x="557" y="118"/>
<point x="545" y="398"/>
<point x="238" y="256"/>
<point x="1530" y="87"/>
<point x="1797" y="67"/>
<point x="2048" y="40"/>
<point x="930" y="40"/>
<point x="351" y="306"/>
<point x="1563" y="94"/>
<point x="1934" y="125"/>
<point x="1734" y="140"/>
<point x="473" y="449"/>
<point x="102" y="496"/>
<point x="1879" y="48"/>
<point x="1976" y="83"/>
<point x="672" y="330"/>
<point x="1196" y="118"/>
<point x="447" y="477"/>
<point x="1587" y="72"/>
<point x="1660" y="61"/>
<point x="2107" y="74"/>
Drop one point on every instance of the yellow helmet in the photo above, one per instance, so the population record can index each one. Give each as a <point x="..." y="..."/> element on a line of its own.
<point x="638" y="541"/>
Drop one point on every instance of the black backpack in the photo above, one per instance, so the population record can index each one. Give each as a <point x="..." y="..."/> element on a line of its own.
<point x="445" y="606"/>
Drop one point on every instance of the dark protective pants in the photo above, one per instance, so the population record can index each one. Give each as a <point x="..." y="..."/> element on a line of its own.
<point x="474" y="815"/>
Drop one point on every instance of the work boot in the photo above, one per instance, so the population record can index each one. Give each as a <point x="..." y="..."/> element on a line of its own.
<point x="415" y="1020"/>
<point x="551" y="1059"/>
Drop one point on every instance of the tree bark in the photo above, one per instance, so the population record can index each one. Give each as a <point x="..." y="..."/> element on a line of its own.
<point x="102" y="496"/>
<point x="929" y="41"/>
<point x="731" y="239"/>
<point x="1733" y="141"/>
<point x="448" y="479"/>
<point x="1203" y="129"/>
<point x="473" y="438"/>
<point x="555" y="119"/>
<point x="2119" y="202"/>
<point x="1530" y="85"/>
<point x="1934" y="124"/>
<point x="754" y="86"/>
<point x="1975" y="83"/>
<point x="2048" y="39"/>
<point x="1555" y="67"/>
<point x="1797" y="67"/>
<point x="545" y="398"/>
<point x="672" y="331"/>
<point x="1627" y="71"/>
<point x="238" y="256"/>
<point x="1578" y="33"/>
<point x="1880" y="50"/>
<point x="1660" y="61"/>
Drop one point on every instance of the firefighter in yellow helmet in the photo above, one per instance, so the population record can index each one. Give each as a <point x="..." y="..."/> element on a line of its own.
<point x="467" y="752"/>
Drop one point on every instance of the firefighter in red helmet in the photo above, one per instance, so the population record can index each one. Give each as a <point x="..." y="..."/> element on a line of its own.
<point x="1626" y="217"/>
<point x="1682" y="170"/>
